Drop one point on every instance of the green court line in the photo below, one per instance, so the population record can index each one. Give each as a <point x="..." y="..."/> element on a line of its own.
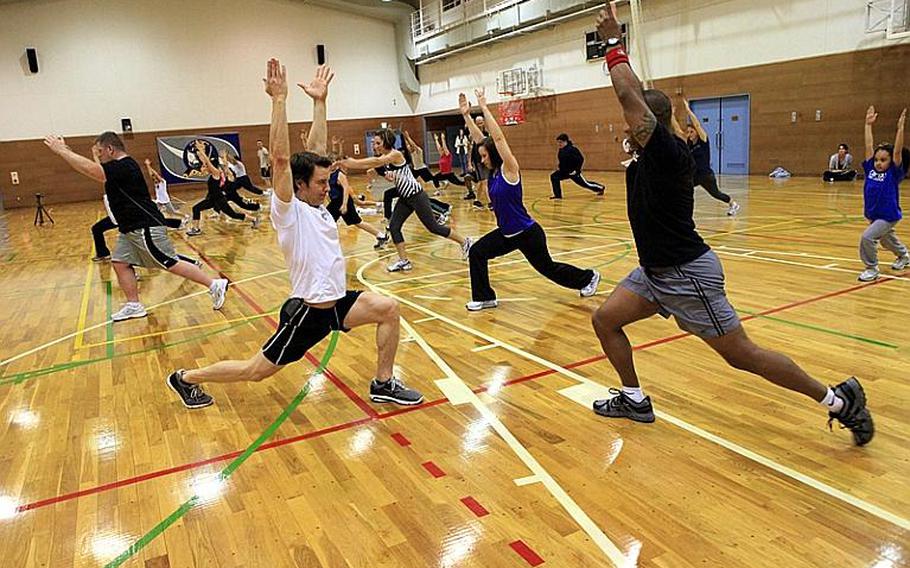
<point x="231" y="467"/>
<point x="821" y="329"/>
<point x="110" y="322"/>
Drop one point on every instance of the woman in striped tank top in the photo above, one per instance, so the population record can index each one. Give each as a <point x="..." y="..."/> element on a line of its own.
<point x="411" y="196"/>
<point x="515" y="229"/>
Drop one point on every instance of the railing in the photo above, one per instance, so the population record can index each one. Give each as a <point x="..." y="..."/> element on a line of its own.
<point x="436" y="16"/>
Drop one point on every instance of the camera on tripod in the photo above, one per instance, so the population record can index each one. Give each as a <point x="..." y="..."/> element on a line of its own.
<point x="41" y="212"/>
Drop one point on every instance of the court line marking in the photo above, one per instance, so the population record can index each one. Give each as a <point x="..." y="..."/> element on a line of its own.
<point x="484" y="347"/>
<point x="424" y="320"/>
<point x="439" y="298"/>
<point x="179" y="329"/>
<point x="522" y="481"/>
<point x="805" y="264"/>
<point x="454" y="389"/>
<point x="857" y="502"/>
<point x="83" y="307"/>
<point x="787" y="253"/>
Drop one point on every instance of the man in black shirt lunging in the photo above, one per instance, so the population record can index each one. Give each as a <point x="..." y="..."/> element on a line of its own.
<point x="679" y="274"/>
<point x="143" y="238"/>
<point x="570" y="162"/>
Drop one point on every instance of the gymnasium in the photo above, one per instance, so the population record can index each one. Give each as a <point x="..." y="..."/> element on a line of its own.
<point x="454" y="283"/>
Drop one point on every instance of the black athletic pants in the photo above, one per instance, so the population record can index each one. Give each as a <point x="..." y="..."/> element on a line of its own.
<point x="559" y="175"/>
<point x="848" y="175"/>
<point x="219" y="204"/>
<point x="232" y="196"/>
<point x="420" y="204"/>
<point x="246" y="183"/>
<point x="709" y="182"/>
<point x="425" y="174"/>
<point x="532" y="243"/>
<point x="448" y="177"/>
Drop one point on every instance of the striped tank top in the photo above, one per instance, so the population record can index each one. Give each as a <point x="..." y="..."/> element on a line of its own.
<point x="405" y="182"/>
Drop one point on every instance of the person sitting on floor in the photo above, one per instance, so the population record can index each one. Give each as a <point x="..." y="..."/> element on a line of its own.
<point x="840" y="166"/>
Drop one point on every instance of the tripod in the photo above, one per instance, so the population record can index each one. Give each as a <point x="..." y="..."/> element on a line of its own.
<point x="41" y="212"/>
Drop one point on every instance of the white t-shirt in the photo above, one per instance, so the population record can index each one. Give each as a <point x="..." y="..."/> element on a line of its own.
<point x="238" y="168"/>
<point x="461" y="144"/>
<point x="263" y="157"/>
<point x="308" y="238"/>
<point x="161" y="195"/>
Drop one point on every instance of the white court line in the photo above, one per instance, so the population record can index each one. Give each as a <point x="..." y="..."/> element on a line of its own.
<point x="522" y="481"/>
<point x="424" y="320"/>
<point x="804" y="264"/>
<point x="832" y="265"/>
<point x="787" y="253"/>
<point x="857" y="502"/>
<point x="484" y="347"/>
<point x="515" y="299"/>
<point x="458" y="392"/>
<point x="440" y="298"/>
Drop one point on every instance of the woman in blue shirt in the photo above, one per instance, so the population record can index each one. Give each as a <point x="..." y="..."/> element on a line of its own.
<point x="515" y="229"/>
<point x="881" y="198"/>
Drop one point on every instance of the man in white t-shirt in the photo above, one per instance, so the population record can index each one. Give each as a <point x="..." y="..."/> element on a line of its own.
<point x="308" y="238"/>
<point x="265" y="162"/>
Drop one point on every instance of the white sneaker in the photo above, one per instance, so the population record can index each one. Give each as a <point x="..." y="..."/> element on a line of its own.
<point x="466" y="248"/>
<point x="445" y="184"/>
<point x="217" y="291"/>
<point x="901" y="263"/>
<point x="591" y="288"/>
<point x="473" y="306"/>
<point x="734" y="208"/>
<point x="399" y="266"/>
<point x="868" y="275"/>
<point x="129" y="310"/>
<point x="256" y="220"/>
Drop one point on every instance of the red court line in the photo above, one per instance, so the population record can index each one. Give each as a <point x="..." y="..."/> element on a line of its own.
<point x="400" y="438"/>
<point x="475" y="507"/>
<point x="396" y="412"/>
<point x="434" y="469"/>
<point x="525" y="552"/>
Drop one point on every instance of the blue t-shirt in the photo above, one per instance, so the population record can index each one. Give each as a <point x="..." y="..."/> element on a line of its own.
<point x="880" y="193"/>
<point x="335" y="189"/>
<point x="511" y="215"/>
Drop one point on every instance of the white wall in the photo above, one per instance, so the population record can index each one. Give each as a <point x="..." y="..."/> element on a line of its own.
<point x="172" y="64"/>
<point x="681" y="37"/>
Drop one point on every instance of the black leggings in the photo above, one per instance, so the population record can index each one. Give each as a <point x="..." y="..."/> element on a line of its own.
<point x="848" y="175"/>
<point x="420" y="204"/>
<point x="219" y="204"/>
<point x="107" y="224"/>
<point x="447" y="177"/>
<point x="576" y="176"/>
<point x="390" y="194"/>
<point x="532" y="243"/>
<point x="234" y="197"/>
<point x="244" y="182"/>
<point x="425" y="174"/>
<point x="709" y="182"/>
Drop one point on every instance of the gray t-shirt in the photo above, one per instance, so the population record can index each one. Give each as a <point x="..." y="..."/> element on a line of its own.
<point x="834" y="164"/>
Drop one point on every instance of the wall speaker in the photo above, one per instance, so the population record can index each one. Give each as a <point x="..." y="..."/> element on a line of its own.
<point x="320" y="54"/>
<point x="126" y="125"/>
<point x="32" y="55"/>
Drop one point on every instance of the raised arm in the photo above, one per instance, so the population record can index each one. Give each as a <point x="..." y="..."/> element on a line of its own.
<point x="318" y="90"/>
<point x="276" y="85"/>
<point x="677" y="129"/>
<point x="445" y="145"/>
<point x="625" y="83"/>
<point x="83" y="165"/>
<point x="871" y="115"/>
<point x="438" y="145"/>
<point x="696" y="122"/>
<point x="510" y="169"/>
<point x="206" y="162"/>
<point x="475" y="134"/>
<point x="409" y="141"/>
<point x="899" y="140"/>
<point x="156" y="177"/>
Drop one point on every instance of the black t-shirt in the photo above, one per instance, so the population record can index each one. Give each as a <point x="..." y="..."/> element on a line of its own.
<point x="570" y="158"/>
<point x="475" y="149"/>
<point x="216" y="187"/>
<point x="660" y="200"/>
<point x="701" y="152"/>
<point x="128" y="196"/>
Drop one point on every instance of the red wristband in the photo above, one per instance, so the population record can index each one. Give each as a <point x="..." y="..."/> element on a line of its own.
<point x="616" y="56"/>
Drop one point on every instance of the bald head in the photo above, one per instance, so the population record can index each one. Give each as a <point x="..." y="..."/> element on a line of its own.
<point x="660" y="105"/>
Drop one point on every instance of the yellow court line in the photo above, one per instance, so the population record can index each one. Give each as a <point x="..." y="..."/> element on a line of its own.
<point x="83" y="309"/>
<point x="175" y="330"/>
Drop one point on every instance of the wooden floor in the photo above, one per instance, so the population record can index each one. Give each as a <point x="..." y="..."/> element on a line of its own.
<point x="735" y="472"/>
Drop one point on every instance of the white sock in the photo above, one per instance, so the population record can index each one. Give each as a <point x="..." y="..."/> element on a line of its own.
<point x="832" y="402"/>
<point x="635" y="394"/>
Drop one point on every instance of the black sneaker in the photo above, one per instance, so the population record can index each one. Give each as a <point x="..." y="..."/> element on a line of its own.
<point x="854" y="415"/>
<point x="381" y="240"/>
<point x="470" y="196"/>
<point x="192" y="395"/>
<point x="621" y="406"/>
<point x="393" y="390"/>
<point x="478" y="205"/>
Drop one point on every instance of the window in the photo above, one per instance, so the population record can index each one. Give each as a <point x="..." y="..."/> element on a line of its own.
<point x="450" y="4"/>
<point x="596" y="48"/>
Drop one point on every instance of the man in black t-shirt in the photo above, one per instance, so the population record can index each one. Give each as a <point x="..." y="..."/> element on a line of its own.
<point x="478" y="173"/>
<point x="143" y="239"/>
<point x="679" y="274"/>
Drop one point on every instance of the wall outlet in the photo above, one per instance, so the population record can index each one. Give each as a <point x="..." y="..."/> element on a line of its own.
<point x="356" y="149"/>
<point x="793" y="117"/>
<point x="818" y="115"/>
<point x="14" y="177"/>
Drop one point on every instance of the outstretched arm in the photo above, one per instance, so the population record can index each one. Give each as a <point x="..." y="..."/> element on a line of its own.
<point x="371" y="162"/>
<point x="276" y="85"/>
<point x="318" y="90"/>
<point x="696" y="122"/>
<point x="871" y="115"/>
<point x="625" y="83"/>
<point x="206" y="162"/>
<point x="899" y="140"/>
<point x="86" y="167"/>
<point x="510" y="169"/>
<point x="676" y="127"/>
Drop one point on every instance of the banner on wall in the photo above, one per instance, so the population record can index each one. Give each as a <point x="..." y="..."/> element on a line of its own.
<point x="511" y="112"/>
<point x="178" y="158"/>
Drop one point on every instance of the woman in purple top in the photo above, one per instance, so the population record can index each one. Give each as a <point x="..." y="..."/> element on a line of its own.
<point x="515" y="229"/>
<point x="882" y="208"/>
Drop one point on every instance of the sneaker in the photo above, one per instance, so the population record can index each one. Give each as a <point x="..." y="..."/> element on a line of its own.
<point x="192" y="395"/>
<point x="490" y="206"/>
<point x="733" y="209"/>
<point x="469" y="196"/>
<point x="393" y="390"/>
<point x="445" y="184"/>
<point x="599" y="192"/>
<point x="217" y="291"/>
<point x="474" y="306"/>
<point x="466" y="248"/>
<point x="621" y="406"/>
<point x="477" y="205"/>
<point x="868" y="275"/>
<point x="381" y="240"/>
<point x="854" y="415"/>
<point x="437" y="193"/>
<point x="101" y="258"/>
<point x="194" y="232"/>
<point x="899" y="264"/>
<point x="129" y="310"/>
<point x="184" y="222"/>
<point x="399" y="266"/>
<point x="555" y="197"/>
<point x="256" y="220"/>
<point x="591" y="288"/>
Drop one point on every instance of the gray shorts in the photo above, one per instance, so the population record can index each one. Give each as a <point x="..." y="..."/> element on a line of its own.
<point x="148" y="247"/>
<point x="693" y="293"/>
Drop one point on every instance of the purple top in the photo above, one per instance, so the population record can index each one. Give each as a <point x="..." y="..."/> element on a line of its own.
<point x="511" y="215"/>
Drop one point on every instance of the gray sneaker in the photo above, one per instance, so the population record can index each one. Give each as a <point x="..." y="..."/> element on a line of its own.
<point x="129" y="310"/>
<point x="591" y="288"/>
<point x="901" y="263"/>
<point x="854" y="415"/>
<point x="868" y="275"/>
<point x="476" y="306"/>
<point x="192" y="395"/>
<point x="393" y="390"/>
<point x="217" y="290"/>
<point x="621" y="406"/>
<point x="399" y="266"/>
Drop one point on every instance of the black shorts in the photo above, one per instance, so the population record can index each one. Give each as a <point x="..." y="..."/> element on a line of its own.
<point x="265" y="172"/>
<point x="352" y="217"/>
<point x="302" y="326"/>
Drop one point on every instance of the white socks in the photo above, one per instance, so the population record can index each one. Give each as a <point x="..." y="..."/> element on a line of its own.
<point x="634" y="393"/>
<point x="831" y="401"/>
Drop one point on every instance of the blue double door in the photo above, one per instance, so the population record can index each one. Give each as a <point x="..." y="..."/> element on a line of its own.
<point x="726" y="120"/>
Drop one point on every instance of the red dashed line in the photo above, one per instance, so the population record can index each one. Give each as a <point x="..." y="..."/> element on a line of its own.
<point x="433" y="469"/>
<point x="475" y="507"/>
<point x="402" y="441"/>
<point x="525" y="552"/>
